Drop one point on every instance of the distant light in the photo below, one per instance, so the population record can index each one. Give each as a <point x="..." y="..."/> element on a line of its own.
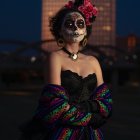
<point x="135" y="56"/>
<point x="33" y="59"/>
<point x="106" y="28"/>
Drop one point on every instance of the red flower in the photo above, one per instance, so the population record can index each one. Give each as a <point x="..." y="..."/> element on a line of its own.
<point x="86" y="8"/>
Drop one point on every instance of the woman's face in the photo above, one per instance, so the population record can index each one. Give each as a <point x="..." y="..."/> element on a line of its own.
<point x="73" y="27"/>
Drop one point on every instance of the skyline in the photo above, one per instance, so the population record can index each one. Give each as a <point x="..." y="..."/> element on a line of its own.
<point x="22" y="20"/>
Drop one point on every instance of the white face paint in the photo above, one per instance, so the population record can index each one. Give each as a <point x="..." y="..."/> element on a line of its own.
<point x="73" y="28"/>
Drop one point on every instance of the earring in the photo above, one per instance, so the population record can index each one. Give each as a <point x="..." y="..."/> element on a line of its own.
<point x="60" y="42"/>
<point x="83" y="43"/>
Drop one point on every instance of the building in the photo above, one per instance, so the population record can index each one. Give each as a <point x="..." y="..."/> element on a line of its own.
<point x="103" y="29"/>
<point x="128" y="43"/>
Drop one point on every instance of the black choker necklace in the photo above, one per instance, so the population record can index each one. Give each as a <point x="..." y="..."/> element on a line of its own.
<point x="73" y="56"/>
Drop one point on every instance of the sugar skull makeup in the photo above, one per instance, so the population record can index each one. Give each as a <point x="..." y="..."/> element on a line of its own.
<point x="73" y="27"/>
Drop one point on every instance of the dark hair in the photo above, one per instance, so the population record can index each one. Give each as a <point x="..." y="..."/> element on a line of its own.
<point x="56" y="22"/>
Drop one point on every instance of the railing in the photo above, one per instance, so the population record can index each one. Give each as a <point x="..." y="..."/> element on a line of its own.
<point x="114" y="63"/>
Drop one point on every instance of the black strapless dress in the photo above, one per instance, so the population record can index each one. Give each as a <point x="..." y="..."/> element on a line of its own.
<point x="78" y="88"/>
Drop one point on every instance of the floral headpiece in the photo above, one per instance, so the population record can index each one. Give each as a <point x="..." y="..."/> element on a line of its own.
<point x="86" y="8"/>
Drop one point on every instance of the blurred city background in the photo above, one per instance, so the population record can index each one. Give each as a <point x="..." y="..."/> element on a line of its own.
<point x="25" y="39"/>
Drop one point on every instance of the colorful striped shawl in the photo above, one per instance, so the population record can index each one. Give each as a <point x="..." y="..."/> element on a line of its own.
<point x="71" y="124"/>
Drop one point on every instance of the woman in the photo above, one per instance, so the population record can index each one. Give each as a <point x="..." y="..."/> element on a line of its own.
<point x="76" y="102"/>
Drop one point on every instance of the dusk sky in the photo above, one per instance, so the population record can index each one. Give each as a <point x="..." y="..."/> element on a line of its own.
<point x="21" y="19"/>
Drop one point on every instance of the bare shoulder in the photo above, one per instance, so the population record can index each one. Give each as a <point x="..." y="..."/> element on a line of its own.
<point x="95" y="62"/>
<point x="53" y="55"/>
<point x="92" y="59"/>
<point x="97" y="68"/>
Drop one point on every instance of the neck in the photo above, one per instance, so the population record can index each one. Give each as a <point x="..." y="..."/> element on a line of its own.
<point x="73" y="48"/>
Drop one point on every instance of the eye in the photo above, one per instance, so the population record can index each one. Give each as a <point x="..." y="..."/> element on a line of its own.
<point x="80" y="23"/>
<point x="68" y="24"/>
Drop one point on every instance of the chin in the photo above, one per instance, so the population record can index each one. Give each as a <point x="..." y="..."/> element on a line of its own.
<point x="77" y="40"/>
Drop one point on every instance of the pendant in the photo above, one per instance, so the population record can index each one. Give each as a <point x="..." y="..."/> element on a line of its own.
<point x="74" y="56"/>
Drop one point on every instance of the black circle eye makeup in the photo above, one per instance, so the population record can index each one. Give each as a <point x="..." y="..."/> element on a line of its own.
<point x="80" y="23"/>
<point x="70" y="24"/>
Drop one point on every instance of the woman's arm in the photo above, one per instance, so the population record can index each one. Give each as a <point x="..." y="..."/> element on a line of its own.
<point x="98" y="71"/>
<point x="53" y="68"/>
<point x="52" y="109"/>
<point x="99" y="107"/>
